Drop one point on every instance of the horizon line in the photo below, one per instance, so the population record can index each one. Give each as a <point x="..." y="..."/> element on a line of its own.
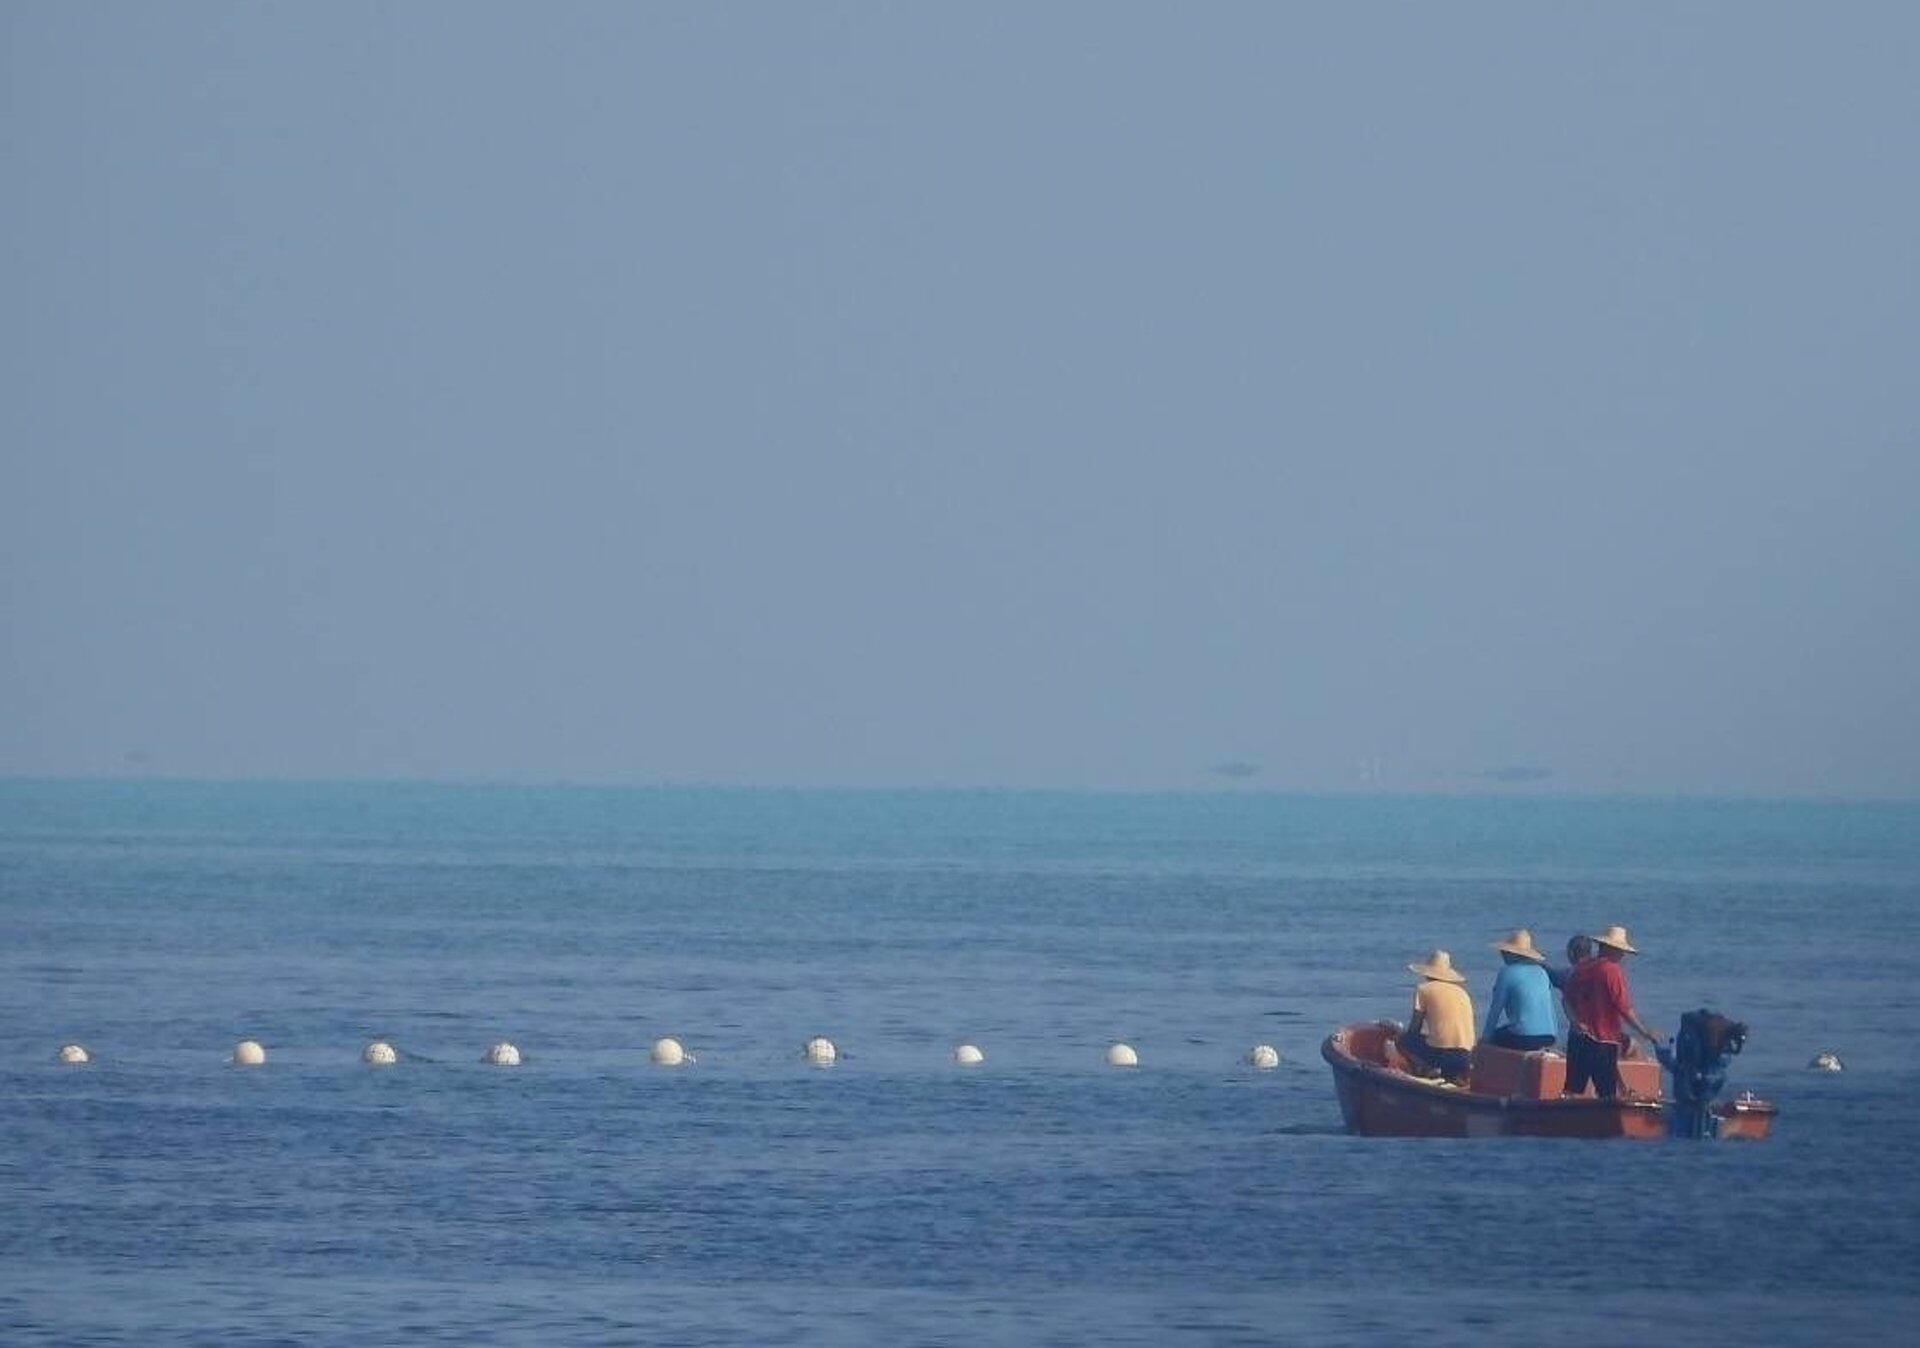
<point x="1499" y="791"/>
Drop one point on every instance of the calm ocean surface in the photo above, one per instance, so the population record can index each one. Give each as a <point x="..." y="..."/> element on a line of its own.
<point x="161" y="1196"/>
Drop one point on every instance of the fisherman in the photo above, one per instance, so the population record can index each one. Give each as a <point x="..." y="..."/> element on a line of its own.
<point x="1599" y="1008"/>
<point x="1578" y="948"/>
<point x="1520" y="1008"/>
<point x="1439" y="1035"/>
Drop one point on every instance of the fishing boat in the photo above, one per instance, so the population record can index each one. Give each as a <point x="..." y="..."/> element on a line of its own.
<point x="1512" y="1094"/>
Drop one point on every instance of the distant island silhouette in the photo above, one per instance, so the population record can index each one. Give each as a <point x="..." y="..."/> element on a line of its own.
<point x="1236" y="768"/>
<point x="1514" y="772"/>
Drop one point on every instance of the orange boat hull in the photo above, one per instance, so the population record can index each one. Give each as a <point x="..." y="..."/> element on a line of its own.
<point x="1378" y="1101"/>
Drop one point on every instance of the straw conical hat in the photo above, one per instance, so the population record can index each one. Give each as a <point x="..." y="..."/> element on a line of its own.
<point x="1521" y="944"/>
<point x="1439" y="965"/>
<point x="1617" y="938"/>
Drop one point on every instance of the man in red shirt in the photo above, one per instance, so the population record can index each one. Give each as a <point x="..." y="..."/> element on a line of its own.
<point x="1600" y="1009"/>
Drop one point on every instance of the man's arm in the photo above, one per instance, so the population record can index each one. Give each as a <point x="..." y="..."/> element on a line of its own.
<point x="1617" y="984"/>
<point x="1565" y="985"/>
<point x="1496" y="1000"/>
<point x="1633" y="1023"/>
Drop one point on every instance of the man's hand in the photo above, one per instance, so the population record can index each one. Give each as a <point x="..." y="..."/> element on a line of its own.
<point x="1639" y="1027"/>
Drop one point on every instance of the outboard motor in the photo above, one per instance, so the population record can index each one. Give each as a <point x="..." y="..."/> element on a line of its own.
<point x="1698" y="1060"/>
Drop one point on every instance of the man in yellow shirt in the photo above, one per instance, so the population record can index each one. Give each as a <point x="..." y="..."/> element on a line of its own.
<point x="1439" y="1036"/>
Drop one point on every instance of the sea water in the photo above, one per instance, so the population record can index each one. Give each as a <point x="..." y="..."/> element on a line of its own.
<point x="587" y="1197"/>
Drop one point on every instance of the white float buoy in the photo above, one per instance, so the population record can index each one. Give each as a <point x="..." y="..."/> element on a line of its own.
<point x="379" y="1054"/>
<point x="969" y="1055"/>
<point x="1122" y="1055"/>
<point x="1827" y="1061"/>
<point x="502" y="1054"/>
<point x="668" y="1052"/>
<point x="820" y="1050"/>
<point x="73" y="1055"/>
<point x="248" y="1053"/>
<point x="1264" y="1056"/>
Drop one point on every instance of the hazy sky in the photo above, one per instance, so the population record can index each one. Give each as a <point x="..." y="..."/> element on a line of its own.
<point x="965" y="394"/>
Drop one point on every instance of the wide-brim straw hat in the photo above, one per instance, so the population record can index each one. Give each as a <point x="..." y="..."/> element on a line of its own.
<point x="1439" y="965"/>
<point x="1521" y="944"/>
<point x="1616" y="938"/>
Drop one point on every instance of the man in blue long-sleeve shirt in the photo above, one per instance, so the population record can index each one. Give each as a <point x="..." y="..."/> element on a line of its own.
<point x="1520" y="1010"/>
